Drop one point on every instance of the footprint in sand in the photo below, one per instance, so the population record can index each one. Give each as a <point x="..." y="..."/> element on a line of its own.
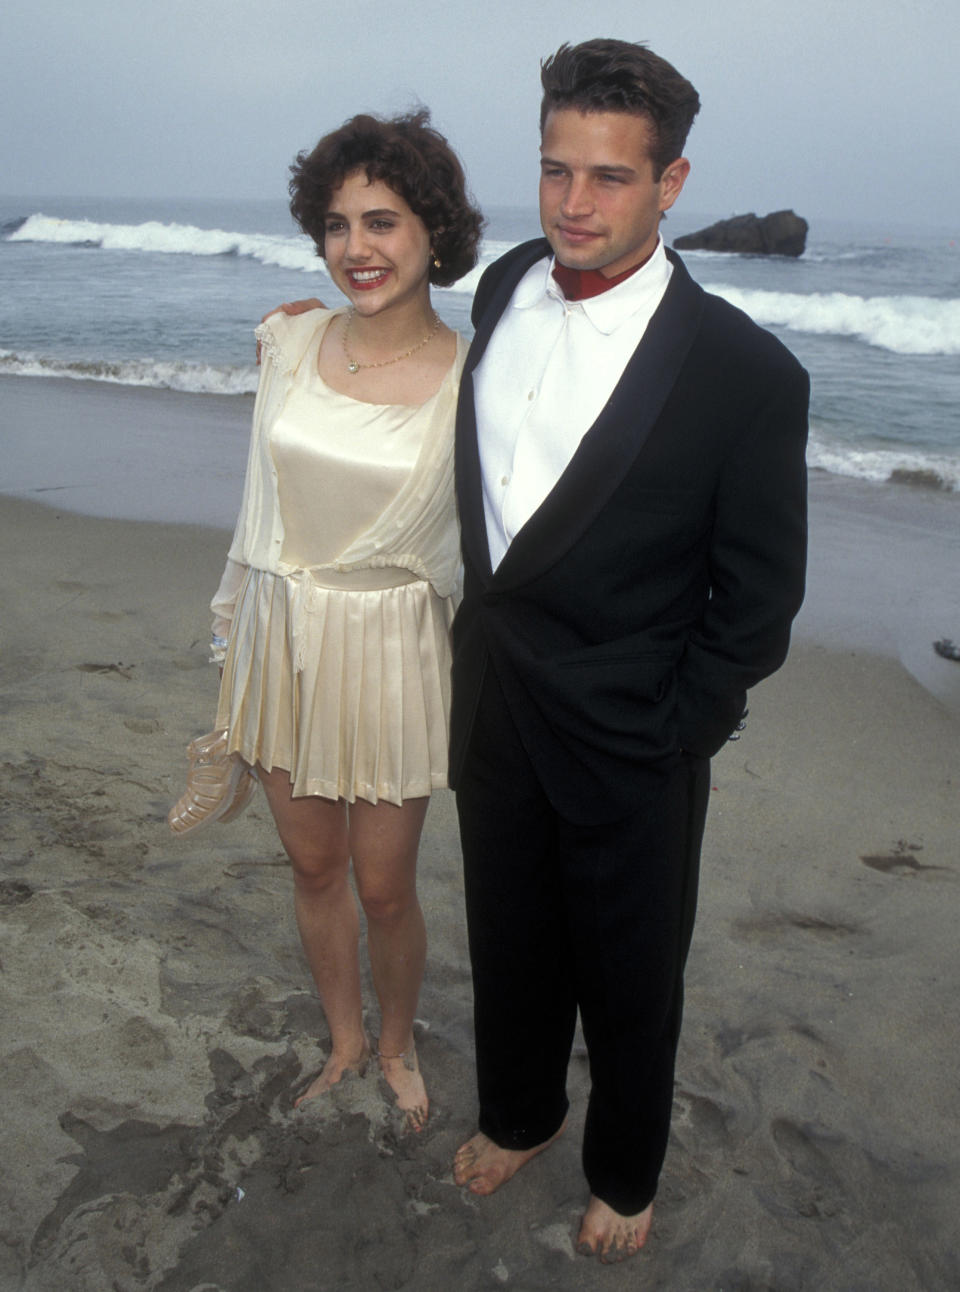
<point x="142" y="726"/>
<point x="709" y="1122"/>
<point x="798" y="1145"/>
<point x="13" y="892"/>
<point x="815" y="1189"/>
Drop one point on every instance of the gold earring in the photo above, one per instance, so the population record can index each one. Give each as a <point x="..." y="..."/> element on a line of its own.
<point x="436" y="262"/>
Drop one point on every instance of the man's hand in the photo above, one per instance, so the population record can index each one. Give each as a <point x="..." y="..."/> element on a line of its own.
<point x="292" y="307"/>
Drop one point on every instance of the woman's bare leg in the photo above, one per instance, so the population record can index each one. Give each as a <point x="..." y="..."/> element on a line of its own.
<point x="314" y="833"/>
<point x="384" y="840"/>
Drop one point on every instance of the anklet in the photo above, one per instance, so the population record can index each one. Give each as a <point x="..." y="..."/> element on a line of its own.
<point x="402" y="1055"/>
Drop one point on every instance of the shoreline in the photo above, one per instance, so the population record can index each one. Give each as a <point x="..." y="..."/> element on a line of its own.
<point x="78" y="427"/>
<point x="125" y="452"/>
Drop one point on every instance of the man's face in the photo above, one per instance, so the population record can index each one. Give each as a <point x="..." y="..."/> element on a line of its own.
<point x="600" y="206"/>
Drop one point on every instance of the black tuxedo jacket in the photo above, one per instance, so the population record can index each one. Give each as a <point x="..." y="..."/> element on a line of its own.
<point x="658" y="579"/>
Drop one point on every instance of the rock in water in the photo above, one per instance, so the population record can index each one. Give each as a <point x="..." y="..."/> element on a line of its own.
<point x="781" y="233"/>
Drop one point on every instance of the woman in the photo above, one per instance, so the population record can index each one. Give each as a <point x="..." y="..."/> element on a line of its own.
<point x="332" y="618"/>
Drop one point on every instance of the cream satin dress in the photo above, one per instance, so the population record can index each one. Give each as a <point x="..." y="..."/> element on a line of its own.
<point x="341" y="678"/>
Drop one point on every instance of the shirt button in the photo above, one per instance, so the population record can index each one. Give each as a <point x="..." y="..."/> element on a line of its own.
<point x="504" y="480"/>
<point x="532" y="394"/>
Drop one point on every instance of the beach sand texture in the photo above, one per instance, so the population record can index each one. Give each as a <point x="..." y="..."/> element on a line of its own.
<point x="157" y="1014"/>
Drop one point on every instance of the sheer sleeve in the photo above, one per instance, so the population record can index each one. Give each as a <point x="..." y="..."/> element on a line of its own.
<point x="224" y="600"/>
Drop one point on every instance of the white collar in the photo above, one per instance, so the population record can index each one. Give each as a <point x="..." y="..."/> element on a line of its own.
<point x="611" y="308"/>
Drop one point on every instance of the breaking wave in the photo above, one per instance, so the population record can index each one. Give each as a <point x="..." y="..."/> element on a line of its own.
<point x="191" y="378"/>
<point x="902" y="324"/>
<point x="294" y="251"/>
<point x="885" y="466"/>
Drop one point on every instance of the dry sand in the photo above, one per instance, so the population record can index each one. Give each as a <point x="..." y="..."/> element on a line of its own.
<point x="157" y="1013"/>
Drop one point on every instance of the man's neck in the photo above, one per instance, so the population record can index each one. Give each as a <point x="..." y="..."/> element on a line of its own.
<point x="581" y="284"/>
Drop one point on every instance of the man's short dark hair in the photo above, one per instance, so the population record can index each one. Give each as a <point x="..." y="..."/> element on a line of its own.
<point x="414" y="160"/>
<point x="617" y="76"/>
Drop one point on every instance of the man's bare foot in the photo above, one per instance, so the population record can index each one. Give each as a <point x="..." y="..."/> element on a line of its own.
<point x="484" y="1166"/>
<point x="335" y="1068"/>
<point x="401" y="1072"/>
<point x="612" y="1237"/>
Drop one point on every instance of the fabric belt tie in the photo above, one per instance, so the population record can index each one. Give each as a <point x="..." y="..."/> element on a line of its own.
<point x="310" y="584"/>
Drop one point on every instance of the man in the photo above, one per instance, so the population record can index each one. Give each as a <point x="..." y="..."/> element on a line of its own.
<point x="631" y="485"/>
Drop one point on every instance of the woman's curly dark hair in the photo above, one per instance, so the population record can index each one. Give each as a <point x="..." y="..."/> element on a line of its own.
<point x="413" y="159"/>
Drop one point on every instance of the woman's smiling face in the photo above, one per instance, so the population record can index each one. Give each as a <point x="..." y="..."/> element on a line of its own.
<point x="377" y="250"/>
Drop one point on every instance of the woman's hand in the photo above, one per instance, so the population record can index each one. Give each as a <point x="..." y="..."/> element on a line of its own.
<point x="292" y="308"/>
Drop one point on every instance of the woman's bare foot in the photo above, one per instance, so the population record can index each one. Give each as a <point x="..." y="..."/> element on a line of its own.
<point x="335" y="1068"/>
<point x="401" y="1072"/>
<point x="612" y="1237"/>
<point x="485" y="1165"/>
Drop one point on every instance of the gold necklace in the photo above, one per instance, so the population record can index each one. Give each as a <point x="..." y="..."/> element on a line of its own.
<point x="354" y="366"/>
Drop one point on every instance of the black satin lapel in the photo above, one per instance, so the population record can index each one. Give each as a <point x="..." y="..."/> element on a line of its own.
<point x="521" y="259"/>
<point x="473" y="525"/>
<point x="611" y="445"/>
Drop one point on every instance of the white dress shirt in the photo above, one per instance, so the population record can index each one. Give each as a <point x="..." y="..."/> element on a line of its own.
<point x="548" y="370"/>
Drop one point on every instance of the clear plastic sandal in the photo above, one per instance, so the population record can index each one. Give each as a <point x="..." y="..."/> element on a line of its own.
<point x="219" y="785"/>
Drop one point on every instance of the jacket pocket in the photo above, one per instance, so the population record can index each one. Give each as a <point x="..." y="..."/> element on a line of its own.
<point x="621" y="669"/>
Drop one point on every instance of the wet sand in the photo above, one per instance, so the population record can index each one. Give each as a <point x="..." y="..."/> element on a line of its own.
<point x="157" y="1015"/>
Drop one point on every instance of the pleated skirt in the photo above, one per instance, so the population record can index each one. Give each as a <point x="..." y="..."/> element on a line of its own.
<point x="346" y="687"/>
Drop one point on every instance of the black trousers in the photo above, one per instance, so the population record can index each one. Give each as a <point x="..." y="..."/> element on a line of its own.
<point x="564" y="917"/>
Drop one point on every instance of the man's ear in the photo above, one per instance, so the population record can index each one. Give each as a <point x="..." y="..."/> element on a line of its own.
<point x="672" y="181"/>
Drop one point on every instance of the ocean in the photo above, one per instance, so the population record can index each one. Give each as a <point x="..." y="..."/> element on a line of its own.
<point x="166" y="294"/>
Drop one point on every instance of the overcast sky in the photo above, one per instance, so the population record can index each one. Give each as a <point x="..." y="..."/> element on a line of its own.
<point x="837" y="108"/>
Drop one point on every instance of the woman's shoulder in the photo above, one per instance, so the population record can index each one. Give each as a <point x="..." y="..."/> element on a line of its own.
<point x="460" y="358"/>
<point x="285" y="338"/>
<point x="453" y="363"/>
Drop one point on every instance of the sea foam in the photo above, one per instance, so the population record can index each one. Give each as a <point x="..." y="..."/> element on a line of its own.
<point x="884" y="466"/>
<point x="192" y="378"/>
<point x="294" y="251"/>
<point x="903" y="324"/>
